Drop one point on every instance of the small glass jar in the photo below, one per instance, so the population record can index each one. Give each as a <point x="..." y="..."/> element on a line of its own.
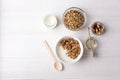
<point x="97" y="28"/>
<point x="92" y="41"/>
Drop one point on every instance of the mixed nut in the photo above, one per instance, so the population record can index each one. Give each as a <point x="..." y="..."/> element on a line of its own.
<point x="97" y="28"/>
<point x="71" y="46"/>
<point x="74" y="19"/>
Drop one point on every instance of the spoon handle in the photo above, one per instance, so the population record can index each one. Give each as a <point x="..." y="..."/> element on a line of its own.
<point x="92" y="52"/>
<point x="49" y="50"/>
<point x="91" y="47"/>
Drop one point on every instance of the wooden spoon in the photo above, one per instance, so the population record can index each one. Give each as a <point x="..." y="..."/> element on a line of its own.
<point x="57" y="65"/>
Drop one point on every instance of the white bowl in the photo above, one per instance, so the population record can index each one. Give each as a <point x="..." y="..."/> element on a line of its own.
<point x="61" y="54"/>
<point x="50" y="21"/>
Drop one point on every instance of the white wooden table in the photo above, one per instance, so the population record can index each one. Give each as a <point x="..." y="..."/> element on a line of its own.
<point x="23" y="55"/>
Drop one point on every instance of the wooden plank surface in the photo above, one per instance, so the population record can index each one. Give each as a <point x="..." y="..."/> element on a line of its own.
<point x="23" y="55"/>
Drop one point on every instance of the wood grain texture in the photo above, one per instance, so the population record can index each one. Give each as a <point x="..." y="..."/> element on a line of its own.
<point x="24" y="57"/>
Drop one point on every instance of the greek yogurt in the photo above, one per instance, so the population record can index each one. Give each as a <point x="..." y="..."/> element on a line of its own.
<point x="50" y="21"/>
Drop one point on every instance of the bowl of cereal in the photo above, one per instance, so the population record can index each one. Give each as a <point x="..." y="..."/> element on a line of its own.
<point x="74" y="18"/>
<point x="69" y="49"/>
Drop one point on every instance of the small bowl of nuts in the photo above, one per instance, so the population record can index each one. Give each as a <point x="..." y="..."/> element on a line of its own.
<point x="74" y="18"/>
<point x="98" y="28"/>
<point x="69" y="49"/>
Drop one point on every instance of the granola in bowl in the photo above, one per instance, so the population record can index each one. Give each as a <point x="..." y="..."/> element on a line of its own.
<point x="74" y="18"/>
<point x="71" y="46"/>
<point x="69" y="49"/>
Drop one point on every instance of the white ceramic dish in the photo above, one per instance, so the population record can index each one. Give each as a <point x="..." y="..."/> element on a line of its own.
<point x="61" y="53"/>
<point x="50" y="21"/>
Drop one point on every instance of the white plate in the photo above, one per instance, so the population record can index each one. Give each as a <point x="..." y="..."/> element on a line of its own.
<point x="61" y="53"/>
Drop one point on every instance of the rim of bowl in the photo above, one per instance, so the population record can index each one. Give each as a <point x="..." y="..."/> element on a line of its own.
<point x="74" y="60"/>
<point x="80" y="10"/>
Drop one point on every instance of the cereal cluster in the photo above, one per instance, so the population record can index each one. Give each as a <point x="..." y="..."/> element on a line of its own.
<point x="71" y="46"/>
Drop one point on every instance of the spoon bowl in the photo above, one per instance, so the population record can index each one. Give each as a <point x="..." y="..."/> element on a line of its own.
<point x="58" y="66"/>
